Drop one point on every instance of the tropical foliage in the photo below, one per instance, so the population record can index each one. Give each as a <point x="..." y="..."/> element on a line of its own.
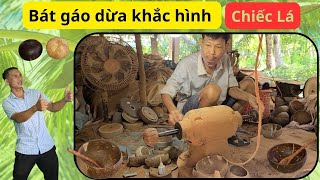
<point x="51" y="76"/>
<point x="46" y="75"/>
<point x="298" y="53"/>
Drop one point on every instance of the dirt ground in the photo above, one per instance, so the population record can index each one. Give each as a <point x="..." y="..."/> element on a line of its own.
<point x="259" y="166"/>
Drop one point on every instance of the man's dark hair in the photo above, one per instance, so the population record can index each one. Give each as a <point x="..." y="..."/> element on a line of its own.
<point x="6" y="72"/>
<point x="226" y="37"/>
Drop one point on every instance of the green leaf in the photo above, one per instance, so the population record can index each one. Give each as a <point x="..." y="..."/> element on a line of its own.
<point x="307" y="7"/>
<point x="74" y="35"/>
<point x="65" y="77"/>
<point x="43" y="38"/>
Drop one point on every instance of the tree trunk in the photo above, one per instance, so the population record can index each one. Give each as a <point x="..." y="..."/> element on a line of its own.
<point x="269" y="60"/>
<point x="277" y="50"/>
<point x="154" y="44"/>
<point x="175" y="51"/>
<point x="170" y="49"/>
<point x="229" y="47"/>
<point x="142" y="74"/>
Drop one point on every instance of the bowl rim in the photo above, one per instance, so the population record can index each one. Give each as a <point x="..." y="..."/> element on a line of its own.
<point x="223" y="159"/>
<point x="105" y="125"/>
<point x="268" y="124"/>
<point x="238" y="166"/>
<point x="271" y="160"/>
<point x="105" y="167"/>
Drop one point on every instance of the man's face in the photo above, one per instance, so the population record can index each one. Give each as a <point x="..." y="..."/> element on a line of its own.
<point x="14" y="79"/>
<point x="212" y="50"/>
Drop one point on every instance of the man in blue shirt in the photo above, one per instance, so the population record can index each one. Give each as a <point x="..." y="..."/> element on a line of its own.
<point x="25" y="107"/>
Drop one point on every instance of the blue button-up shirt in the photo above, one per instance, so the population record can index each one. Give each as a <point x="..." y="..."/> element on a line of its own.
<point x="32" y="135"/>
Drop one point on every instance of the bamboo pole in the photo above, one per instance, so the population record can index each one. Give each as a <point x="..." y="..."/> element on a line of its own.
<point x="142" y="74"/>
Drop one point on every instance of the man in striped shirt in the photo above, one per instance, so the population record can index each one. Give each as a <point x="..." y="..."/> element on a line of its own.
<point x="25" y="107"/>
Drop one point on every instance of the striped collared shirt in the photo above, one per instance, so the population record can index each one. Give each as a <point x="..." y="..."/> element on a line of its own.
<point x="190" y="77"/>
<point x="32" y="135"/>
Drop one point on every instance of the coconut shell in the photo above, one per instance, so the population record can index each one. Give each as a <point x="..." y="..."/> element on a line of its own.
<point x="110" y="130"/>
<point x="281" y="118"/>
<point x="137" y="161"/>
<point x="142" y="151"/>
<point x="158" y="110"/>
<point x="279" y="110"/>
<point x="155" y="161"/>
<point x="57" y="48"/>
<point x="150" y="136"/>
<point x="302" y="117"/>
<point x="133" y="126"/>
<point x="295" y="105"/>
<point x="279" y="102"/>
<point x="174" y="153"/>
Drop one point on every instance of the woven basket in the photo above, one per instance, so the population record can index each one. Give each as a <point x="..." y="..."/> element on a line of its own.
<point x="265" y="97"/>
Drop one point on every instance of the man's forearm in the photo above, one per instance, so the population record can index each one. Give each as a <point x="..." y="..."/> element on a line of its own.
<point x="25" y="115"/>
<point x="57" y="106"/>
<point x="168" y="102"/>
<point x="238" y="94"/>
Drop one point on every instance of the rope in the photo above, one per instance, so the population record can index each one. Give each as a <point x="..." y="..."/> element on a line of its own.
<point x="260" y="105"/>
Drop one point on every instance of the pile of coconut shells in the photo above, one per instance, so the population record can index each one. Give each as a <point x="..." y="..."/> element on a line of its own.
<point x="300" y="112"/>
<point x="297" y="110"/>
<point x="153" y="158"/>
<point x="133" y="115"/>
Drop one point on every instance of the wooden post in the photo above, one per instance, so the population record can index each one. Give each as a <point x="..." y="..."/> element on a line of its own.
<point x="142" y="74"/>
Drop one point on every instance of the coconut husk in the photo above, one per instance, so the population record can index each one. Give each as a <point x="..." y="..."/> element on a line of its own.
<point x="114" y="98"/>
<point x="158" y="73"/>
<point x="311" y="106"/>
<point x="153" y="58"/>
<point x="307" y="127"/>
<point x="153" y="93"/>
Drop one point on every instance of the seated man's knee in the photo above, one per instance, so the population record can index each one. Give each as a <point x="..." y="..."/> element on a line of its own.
<point x="212" y="92"/>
